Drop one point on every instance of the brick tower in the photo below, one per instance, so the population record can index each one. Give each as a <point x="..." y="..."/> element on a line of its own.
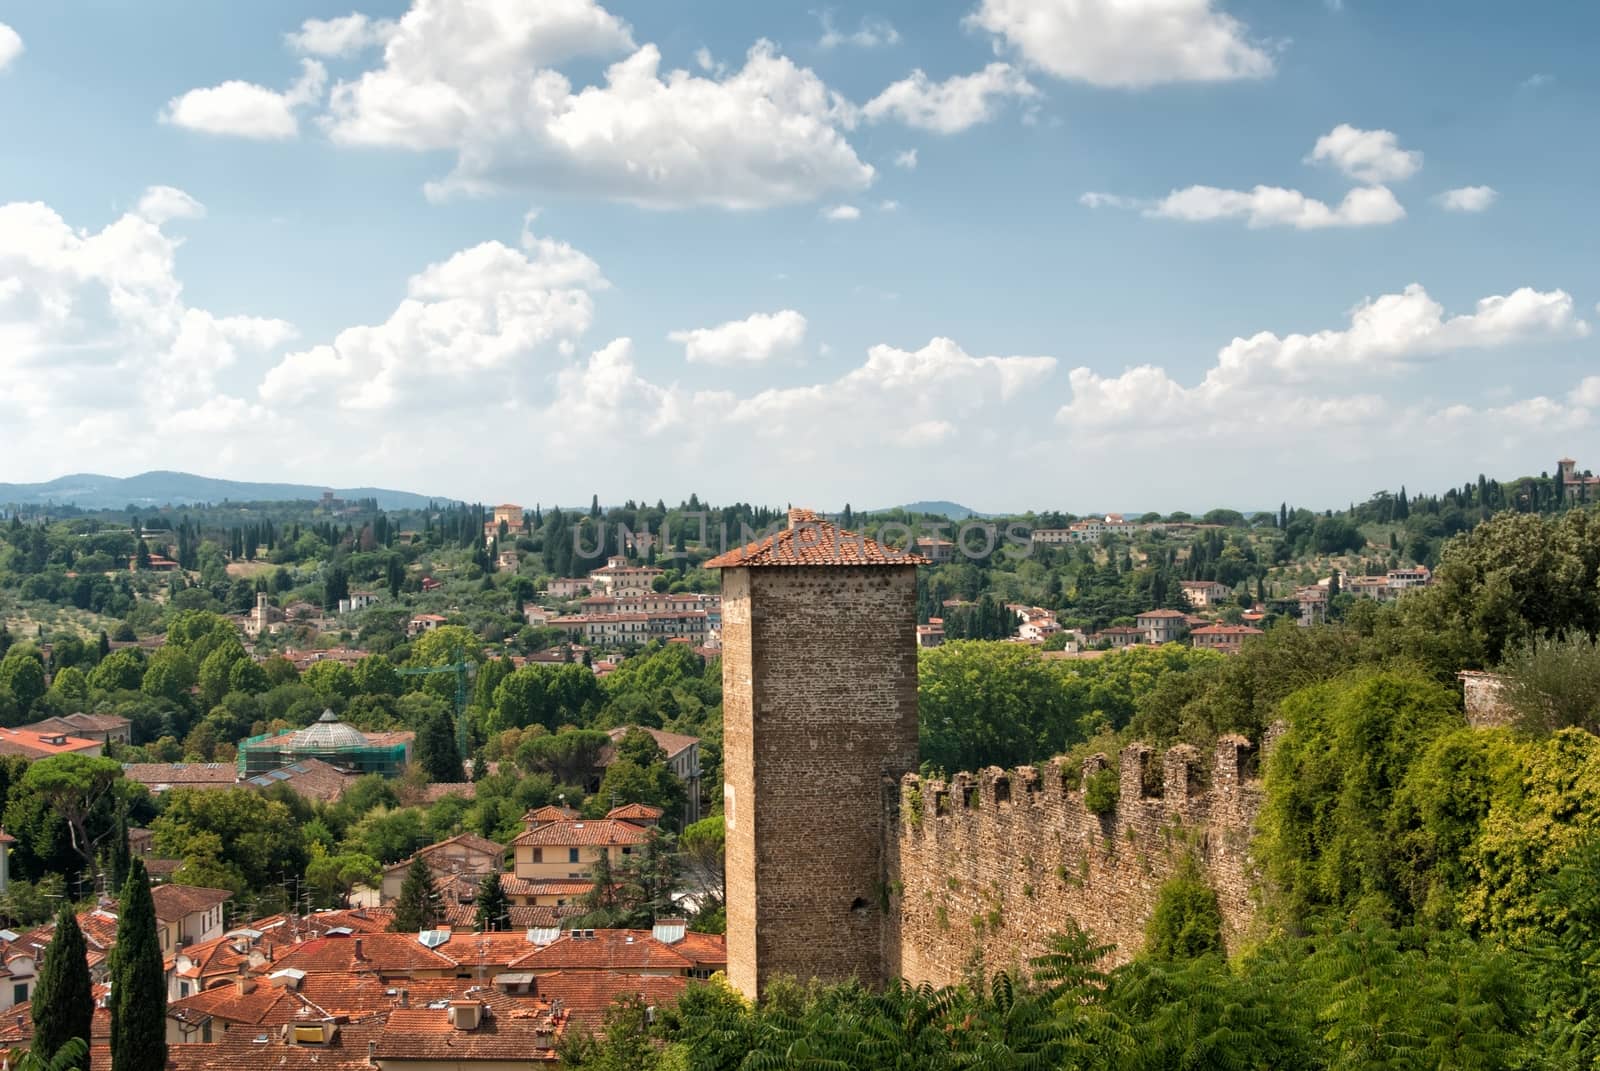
<point x="819" y="682"/>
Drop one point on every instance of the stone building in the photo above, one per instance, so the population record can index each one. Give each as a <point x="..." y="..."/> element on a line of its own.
<point x="820" y="721"/>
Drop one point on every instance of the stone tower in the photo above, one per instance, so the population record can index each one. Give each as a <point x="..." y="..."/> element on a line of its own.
<point x="819" y="680"/>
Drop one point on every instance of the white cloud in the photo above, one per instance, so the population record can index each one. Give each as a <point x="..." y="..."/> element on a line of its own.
<point x="1369" y="156"/>
<point x="753" y="340"/>
<point x="477" y="78"/>
<point x="10" y="45"/>
<point x="96" y="338"/>
<point x="890" y="205"/>
<point x="1258" y="379"/>
<point x="906" y="159"/>
<point x="246" y="110"/>
<point x="1536" y="81"/>
<point x="162" y="203"/>
<point x="841" y="213"/>
<point x="871" y="33"/>
<point x="473" y="326"/>
<point x="1272" y="206"/>
<point x="950" y="106"/>
<point x="1468" y="198"/>
<point x="1126" y="44"/>
<point x="1108" y="200"/>
<point x="340" y="37"/>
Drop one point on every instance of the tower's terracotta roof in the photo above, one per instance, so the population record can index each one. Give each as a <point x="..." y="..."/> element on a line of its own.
<point x="812" y="540"/>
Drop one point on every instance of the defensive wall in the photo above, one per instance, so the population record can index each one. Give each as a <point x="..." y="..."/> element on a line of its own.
<point x="983" y="869"/>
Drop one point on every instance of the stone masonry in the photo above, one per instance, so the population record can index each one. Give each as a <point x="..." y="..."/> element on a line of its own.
<point x="819" y="713"/>
<point x="986" y="868"/>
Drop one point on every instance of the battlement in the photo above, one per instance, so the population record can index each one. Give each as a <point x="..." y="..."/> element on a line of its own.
<point x="988" y="865"/>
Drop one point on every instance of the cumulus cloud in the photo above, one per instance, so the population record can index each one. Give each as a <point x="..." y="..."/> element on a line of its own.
<point x="753" y="340"/>
<point x="340" y="37"/>
<point x="472" y="326"/>
<point x="245" y="110"/>
<point x="478" y="78"/>
<point x="906" y="159"/>
<point x="950" y="106"/>
<point x="1260" y="377"/>
<point x="841" y="213"/>
<point x="1370" y="156"/>
<point x="1125" y="45"/>
<point x="1108" y="200"/>
<point x="10" y="45"/>
<point x="1468" y="198"/>
<point x="95" y="334"/>
<point x="870" y="33"/>
<point x="159" y="204"/>
<point x="1273" y="206"/>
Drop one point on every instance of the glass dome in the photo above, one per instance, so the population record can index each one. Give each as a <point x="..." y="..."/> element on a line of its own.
<point x="328" y="734"/>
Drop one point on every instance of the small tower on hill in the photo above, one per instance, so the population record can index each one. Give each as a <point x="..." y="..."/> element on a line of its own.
<point x="819" y="680"/>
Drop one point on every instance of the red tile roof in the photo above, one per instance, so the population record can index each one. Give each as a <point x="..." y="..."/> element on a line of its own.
<point x="174" y="903"/>
<point x="636" y="812"/>
<point x="387" y="952"/>
<point x="810" y="540"/>
<point x="519" y="1029"/>
<point x="579" y="832"/>
<point x="607" y="950"/>
<point x="587" y="995"/>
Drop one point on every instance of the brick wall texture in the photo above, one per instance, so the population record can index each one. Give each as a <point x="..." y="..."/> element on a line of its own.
<point x="819" y="725"/>
<point x="985" y="868"/>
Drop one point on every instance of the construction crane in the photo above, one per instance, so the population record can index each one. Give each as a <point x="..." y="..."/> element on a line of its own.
<point x="459" y="668"/>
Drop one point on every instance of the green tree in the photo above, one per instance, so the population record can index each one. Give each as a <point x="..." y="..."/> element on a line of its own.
<point x="138" y="981"/>
<point x="436" y="752"/>
<point x="169" y="676"/>
<point x="419" y="906"/>
<point x="63" y="1003"/>
<point x="494" y="910"/>
<point x="22" y="675"/>
<point x="79" y="789"/>
<point x="335" y="877"/>
<point x="1187" y="920"/>
<point x="120" y="671"/>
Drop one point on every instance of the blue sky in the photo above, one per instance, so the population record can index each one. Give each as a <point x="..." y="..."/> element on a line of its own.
<point x="1165" y="254"/>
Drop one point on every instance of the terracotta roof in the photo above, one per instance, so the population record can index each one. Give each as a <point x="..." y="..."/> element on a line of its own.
<point x="348" y="1051"/>
<point x="177" y="902"/>
<point x="587" y="995"/>
<point x="1228" y="630"/>
<point x="673" y="744"/>
<point x="810" y="540"/>
<point x="1163" y="613"/>
<point x="361" y="920"/>
<point x="78" y="723"/>
<point x="378" y="952"/>
<point x="550" y="813"/>
<point x="182" y="774"/>
<point x="16" y="1027"/>
<point x="523" y="1030"/>
<point x="260" y="1003"/>
<point x="636" y="812"/>
<point x="309" y="778"/>
<point x="578" y="832"/>
<point x="515" y="886"/>
<point x="607" y="950"/>
<point x="470" y="841"/>
<point x="35" y="745"/>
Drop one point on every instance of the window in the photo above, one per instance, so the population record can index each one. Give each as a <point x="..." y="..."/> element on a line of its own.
<point x="183" y="989"/>
<point x="205" y="1031"/>
<point x="538" y="855"/>
<point x="572" y="855"/>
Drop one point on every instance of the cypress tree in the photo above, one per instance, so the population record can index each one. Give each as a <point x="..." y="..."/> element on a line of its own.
<point x="117" y="857"/>
<point x="437" y="753"/>
<point x="63" y="1004"/>
<point x="138" y="981"/>
<point x="494" y="910"/>
<point x="418" y="906"/>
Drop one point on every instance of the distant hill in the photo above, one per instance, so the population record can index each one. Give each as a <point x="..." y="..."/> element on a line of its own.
<point x="953" y="510"/>
<point x="150" y="489"/>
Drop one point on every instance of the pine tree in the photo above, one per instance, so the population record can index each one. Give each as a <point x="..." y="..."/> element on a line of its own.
<point x="105" y="644"/>
<point x="63" y="1004"/>
<point x="138" y="981"/>
<point x="419" y="905"/>
<point x="494" y="910"/>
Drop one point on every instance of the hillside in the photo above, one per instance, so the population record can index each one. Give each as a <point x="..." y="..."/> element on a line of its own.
<point x="93" y="491"/>
<point x="954" y="510"/>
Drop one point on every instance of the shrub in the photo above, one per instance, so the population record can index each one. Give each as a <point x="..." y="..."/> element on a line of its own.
<point x="1100" y="791"/>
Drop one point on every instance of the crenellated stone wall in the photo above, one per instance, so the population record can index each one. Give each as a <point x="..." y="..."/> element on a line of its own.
<point x="984" y="869"/>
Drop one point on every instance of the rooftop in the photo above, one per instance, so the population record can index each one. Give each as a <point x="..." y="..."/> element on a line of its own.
<point x="811" y="540"/>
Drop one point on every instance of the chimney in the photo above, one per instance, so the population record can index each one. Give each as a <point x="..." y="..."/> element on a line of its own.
<point x="798" y="516"/>
<point x="405" y="998"/>
<point x="243" y="985"/>
<point x="465" y="1014"/>
<point x="359" y="956"/>
<point x="372" y="1052"/>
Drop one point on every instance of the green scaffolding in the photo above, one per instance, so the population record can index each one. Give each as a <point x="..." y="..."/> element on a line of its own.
<point x="272" y="751"/>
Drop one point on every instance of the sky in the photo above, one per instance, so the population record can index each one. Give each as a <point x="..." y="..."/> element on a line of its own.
<point x="1019" y="254"/>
